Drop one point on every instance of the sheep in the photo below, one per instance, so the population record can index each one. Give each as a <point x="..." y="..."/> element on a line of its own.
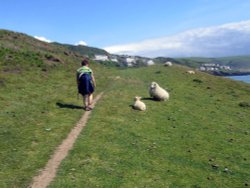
<point x="168" y="64"/>
<point x="157" y="92"/>
<point x="138" y="104"/>
<point x="190" y="72"/>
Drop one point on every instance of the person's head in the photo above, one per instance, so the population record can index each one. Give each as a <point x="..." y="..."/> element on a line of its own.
<point x="85" y="62"/>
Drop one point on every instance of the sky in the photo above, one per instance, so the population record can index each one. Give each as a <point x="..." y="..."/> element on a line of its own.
<point x="151" y="28"/>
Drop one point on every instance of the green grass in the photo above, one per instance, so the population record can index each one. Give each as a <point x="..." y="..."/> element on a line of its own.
<point x="172" y="144"/>
<point x="188" y="141"/>
<point x="38" y="109"/>
<point x="199" y="138"/>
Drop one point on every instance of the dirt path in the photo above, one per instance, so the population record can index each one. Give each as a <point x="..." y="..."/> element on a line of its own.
<point x="49" y="172"/>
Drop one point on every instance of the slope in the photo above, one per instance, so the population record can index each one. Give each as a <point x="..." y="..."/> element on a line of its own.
<point x="199" y="138"/>
<point x="38" y="99"/>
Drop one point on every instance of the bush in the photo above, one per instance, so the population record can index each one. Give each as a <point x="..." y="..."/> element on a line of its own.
<point x="244" y="104"/>
<point x="197" y="80"/>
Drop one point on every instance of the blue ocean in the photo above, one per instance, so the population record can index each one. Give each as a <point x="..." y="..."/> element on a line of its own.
<point x="245" y="78"/>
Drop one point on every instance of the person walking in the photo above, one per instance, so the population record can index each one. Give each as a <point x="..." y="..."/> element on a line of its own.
<point x="86" y="83"/>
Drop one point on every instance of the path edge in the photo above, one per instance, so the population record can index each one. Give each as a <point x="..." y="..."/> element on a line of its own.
<point x="48" y="173"/>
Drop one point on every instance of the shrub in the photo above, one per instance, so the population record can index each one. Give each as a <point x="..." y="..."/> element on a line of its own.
<point x="197" y="80"/>
<point x="244" y="104"/>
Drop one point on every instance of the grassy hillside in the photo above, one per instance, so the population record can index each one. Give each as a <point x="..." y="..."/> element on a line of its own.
<point x="199" y="138"/>
<point x="37" y="97"/>
<point x="22" y="42"/>
<point x="84" y="50"/>
<point x="38" y="109"/>
<point x="238" y="62"/>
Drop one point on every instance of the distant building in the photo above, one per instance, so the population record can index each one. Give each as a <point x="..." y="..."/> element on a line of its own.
<point x="213" y="67"/>
<point x="150" y="62"/>
<point x="202" y="68"/>
<point x="101" y="58"/>
<point x="114" y="60"/>
<point x="130" y="61"/>
<point x="226" y="67"/>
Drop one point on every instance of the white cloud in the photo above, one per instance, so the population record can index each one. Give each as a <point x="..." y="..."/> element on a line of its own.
<point x="42" y="39"/>
<point x="224" y="40"/>
<point x="82" y="43"/>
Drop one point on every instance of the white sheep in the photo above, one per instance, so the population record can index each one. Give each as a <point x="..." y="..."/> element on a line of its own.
<point x="157" y="92"/>
<point x="138" y="104"/>
<point x="190" y="72"/>
<point x="168" y="64"/>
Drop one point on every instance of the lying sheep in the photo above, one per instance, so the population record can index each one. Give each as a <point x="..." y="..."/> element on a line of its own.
<point x="190" y="72"/>
<point x="168" y="64"/>
<point x="157" y="92"/>
<point x="139" y="105"/>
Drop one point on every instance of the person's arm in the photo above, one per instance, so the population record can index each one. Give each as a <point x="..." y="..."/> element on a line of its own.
<point x="77" y="80"/>
<point x="93" y="79"/>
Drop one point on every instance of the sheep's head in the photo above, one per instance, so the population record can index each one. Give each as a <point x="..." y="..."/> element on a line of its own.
<point x="153" y="85"/>
<point x="137" y="98"/>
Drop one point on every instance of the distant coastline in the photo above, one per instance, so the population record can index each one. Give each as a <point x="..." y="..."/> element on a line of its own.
<point x="220" y="73"/>
<point x="240" y="76"/>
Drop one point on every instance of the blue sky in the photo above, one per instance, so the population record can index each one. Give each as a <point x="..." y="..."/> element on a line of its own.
<point x="136" y="27"/>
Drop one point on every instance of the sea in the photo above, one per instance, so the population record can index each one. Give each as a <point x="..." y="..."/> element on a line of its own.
<point x="245" y="78"/>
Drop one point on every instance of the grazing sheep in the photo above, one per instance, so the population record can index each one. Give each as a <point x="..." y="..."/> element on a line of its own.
<point x="168" y="64"/>
<point x="157" y="92"/>
<point x="139" y="105"/>
<point x="190" y="72"/>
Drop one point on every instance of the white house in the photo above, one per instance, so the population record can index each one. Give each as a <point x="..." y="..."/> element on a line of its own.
<point x="101" y="58"/>
<point x="114" y="60"/>
<point x="202" y="68"/>
<point x="130" y="61"/>
<point x="213" y="67"/>
<point x="226" y="67"/>
<point x="150" y="62"/>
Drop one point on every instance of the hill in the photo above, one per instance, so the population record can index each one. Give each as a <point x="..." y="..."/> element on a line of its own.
<point x="199" y="138"/>
<point x="84" y="50"/>
<point x="224" y="66"/>
<point x="22" y="42"/>
<point x="37" y="97"/>
<point x="237" y="63"/>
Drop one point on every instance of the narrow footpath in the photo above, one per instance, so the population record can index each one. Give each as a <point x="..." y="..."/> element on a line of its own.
<point x="49" y="172"/>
